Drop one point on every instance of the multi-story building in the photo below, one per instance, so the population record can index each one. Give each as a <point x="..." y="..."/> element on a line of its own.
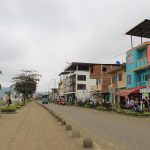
<point x="118" y="83"/>
<point x="61" y="87"/>
<point x="138" y="61"/>
<point x="77" y="81"/>
<point x="103" y="80"/>
<point x="138" y="66"/>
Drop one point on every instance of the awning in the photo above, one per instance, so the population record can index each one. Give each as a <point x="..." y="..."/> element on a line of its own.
<point x="129" y="91"/>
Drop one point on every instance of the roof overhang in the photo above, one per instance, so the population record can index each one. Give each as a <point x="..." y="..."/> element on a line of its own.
<point x="65" y="72"/>
<point x="141" y="30"/>
<point x="129" y="91"/>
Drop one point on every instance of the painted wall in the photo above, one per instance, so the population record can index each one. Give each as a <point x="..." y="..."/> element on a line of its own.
<point x="89" y="82"/>
<point x="139" y="61"/>
<point x="122" y="83"/>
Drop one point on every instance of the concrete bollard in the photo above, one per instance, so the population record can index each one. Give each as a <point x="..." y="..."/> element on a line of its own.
<point x="63" y="122"/>
<point x="68" y="127"/>
<point x="87" y="143"/>
<point x="56" y="117"/>
<point x="59" y="119"/>
<point x="75" y="134"/>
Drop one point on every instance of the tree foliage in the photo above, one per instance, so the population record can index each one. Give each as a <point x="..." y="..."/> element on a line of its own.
<point x="26" y="83"/>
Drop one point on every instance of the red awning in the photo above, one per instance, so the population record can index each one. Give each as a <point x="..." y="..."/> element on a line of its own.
<point x="129" y="91"/>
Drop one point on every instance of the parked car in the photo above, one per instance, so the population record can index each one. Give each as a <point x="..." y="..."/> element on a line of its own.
<point x="44" y="101"/>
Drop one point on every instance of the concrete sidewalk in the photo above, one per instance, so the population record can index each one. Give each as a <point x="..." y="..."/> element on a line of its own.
<point x="32" y="128"/>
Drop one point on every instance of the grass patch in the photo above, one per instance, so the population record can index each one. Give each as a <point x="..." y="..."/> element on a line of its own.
<point x="128" y="112"/>
<point x="105" y="109"/>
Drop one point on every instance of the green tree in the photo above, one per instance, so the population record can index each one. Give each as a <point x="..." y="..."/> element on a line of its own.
<point x="26" y="83"/>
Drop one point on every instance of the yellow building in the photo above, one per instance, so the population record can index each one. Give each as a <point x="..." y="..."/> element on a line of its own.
<point x="118" y="83"/>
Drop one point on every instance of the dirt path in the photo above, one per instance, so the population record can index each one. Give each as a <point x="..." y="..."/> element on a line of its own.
<point x="32" y="128"/>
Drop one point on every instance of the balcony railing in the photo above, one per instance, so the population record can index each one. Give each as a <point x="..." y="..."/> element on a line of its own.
<point x="96" y="88"/>
<point x="143" y="83"/>
<point x="141" y="62"/>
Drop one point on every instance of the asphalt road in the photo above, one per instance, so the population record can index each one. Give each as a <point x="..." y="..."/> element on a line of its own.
<point x="108" y="129"/>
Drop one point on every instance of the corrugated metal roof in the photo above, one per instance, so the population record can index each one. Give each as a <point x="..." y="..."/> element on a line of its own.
<point x="141" y="30"/>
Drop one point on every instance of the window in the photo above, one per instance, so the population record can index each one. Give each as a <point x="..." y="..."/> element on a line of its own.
<point x="98" y="81"/>
<point x="129" y="79"/>
<point x="81" y="77"/>
<point x="91" y="69"/>
<point x="81" y="86"/>
<point x="129" y="59"/>
<point x="104" y="69"/>
<point x="146" y="77"/>
<point x="120" y="77"/>
<point x="114" y="79"/>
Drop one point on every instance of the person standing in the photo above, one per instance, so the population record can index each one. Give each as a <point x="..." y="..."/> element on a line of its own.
<point x="140" y="104"/>
<point x="132" y="104"/>
<point x="146" y="104"/>
<point x="9" y="101"/>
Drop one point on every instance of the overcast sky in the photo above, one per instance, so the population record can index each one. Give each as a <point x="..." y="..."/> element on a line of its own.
<point x="45" y="34"/>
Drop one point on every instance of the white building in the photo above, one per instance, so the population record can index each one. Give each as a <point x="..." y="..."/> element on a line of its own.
<point x="77" y="81"/>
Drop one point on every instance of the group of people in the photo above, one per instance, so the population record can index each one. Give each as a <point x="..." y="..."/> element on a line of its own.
<point x="139" y="105"/>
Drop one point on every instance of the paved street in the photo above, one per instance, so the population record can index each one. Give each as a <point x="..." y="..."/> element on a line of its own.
<point x="110" y="130"/>
<point x="32" y="128"/>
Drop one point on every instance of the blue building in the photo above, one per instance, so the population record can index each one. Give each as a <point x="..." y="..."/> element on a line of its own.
<point x="138" y="66"/>
<point x="138" y="63"/>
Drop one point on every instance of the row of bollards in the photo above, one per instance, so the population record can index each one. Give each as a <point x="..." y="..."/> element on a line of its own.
<point x="87" y="142"/>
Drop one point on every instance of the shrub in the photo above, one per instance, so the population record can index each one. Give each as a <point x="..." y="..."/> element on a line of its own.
<point x="8" y="109"/>
<point x="135" y="113"/>
<point x="104" y="108"/>
<point x="107" y="105"/>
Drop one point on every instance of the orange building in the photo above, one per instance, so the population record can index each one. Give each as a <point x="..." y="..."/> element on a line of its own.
<point x="118" y="83"/>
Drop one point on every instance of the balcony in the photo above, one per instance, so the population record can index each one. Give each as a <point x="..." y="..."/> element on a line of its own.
<point x="143" y="83"/>
<point x="96" y="88"/>
<point x="141" y="63"/>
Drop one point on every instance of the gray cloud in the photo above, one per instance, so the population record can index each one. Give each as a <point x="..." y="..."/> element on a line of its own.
<point x="45" y="34"/>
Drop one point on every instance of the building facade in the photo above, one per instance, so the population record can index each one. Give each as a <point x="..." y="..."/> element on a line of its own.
<point x="138" y="66"/>
<point x="103" y="80"/>
<point x="118" y="83"/>
<point x="77" y="81"/>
